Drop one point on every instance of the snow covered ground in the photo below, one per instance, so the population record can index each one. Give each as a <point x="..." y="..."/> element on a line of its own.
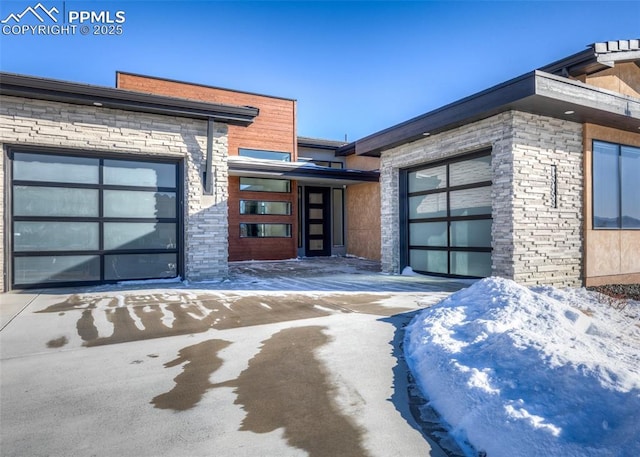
<point x="531" y="372"/>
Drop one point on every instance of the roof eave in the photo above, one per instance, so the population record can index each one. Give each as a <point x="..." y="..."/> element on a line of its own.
<point x="475" y="107"/>
<point x="318" y="143"/>
<point x="82" y="94"/>
<point x="292" y="170"/>
<point x="537" y="92"/>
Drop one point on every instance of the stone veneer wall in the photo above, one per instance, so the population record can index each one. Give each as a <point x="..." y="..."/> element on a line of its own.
<point x="548" y="240"/>
<point x="532" y="241"/>
<point x="86" y="129"/>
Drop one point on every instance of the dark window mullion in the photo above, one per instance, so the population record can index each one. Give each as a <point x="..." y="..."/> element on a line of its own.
<point x="101" y="216"/>
<point x="55" y="219"/>
<point x="65" y="185"/>
<point x="152" y="220"/>
<point x="619" y="186"/>
<point x="428" y="248"/>
<point x="475" y="185"/>
<point x="451" y="248"/>
<point x="138" y="188"/>
<point x="140" y="251"/>
<point x="448" y="223"/>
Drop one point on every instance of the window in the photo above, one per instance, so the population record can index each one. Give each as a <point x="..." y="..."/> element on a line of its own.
<point x="265" y="185"/>
<point x="448" y="210"/>
<point x="300" y="209"/>
<point x="615" y="186"/>
<point x="337" y="218"/>
<point x="265" y="230"/>
<point x="260" y="207"/>
<point x="327" y="163"/>
<point x="265" y="155"/>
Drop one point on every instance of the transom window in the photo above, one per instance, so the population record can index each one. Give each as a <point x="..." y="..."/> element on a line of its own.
<point x="265" y="155"/>
<point x="448" y="223"/>
<point x="262" y="207"/>
<point x="327" y="163"/>
<point x="265" y="185"/>
<point x="265" y="230"/>
<point x="616" y="186"/>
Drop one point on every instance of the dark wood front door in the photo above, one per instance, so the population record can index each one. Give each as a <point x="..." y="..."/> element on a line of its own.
<point x="317" y="221"/>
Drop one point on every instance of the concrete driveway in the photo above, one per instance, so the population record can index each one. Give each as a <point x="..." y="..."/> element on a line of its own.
<point x="219" y="369"/>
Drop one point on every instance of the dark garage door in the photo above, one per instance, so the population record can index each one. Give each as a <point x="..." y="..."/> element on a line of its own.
<point x="88" y="220"/>
<point x="448" y="224"/>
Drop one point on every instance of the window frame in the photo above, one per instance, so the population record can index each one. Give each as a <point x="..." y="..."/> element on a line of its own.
<point x="255" y="154"/>
<point x="619" y="183"/>
<point x="288" y="181"/>
<point x="285" y="202"/>
<point x="288" y="226"/>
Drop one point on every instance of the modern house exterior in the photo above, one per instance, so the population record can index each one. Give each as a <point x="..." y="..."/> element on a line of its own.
<point x="288" y="196"/>
<point x="535" y="179"/>
<point x="164" y="179"/>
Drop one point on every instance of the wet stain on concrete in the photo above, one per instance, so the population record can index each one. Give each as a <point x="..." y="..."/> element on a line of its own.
<point x="286" y="386"/>
<point x="58" y="342"/>
<point x="85" y="326"/>
<point x="119" y="319"/>
<point x="200" y="361"/>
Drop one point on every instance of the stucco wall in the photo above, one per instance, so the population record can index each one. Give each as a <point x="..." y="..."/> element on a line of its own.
<point x="623" y="78"/>
<point x="363" y="220"/>
<point x="86" y="129"/>
<point x="362" y="163"/>
<point x="611" y="256"/>
<point x="532" y="241"/>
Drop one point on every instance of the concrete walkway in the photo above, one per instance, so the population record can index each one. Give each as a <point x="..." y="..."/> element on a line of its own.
<point x="281" y="359"/>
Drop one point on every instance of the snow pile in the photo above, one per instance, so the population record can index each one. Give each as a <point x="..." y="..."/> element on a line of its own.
<point x="531" y="372"/>
<point x="408" y="271"/>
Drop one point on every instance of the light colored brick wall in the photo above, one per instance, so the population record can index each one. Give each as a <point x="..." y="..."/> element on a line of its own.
<point x="548" y="247"/>
<point x="532" y="241"/>
<point x="87" y="129"/>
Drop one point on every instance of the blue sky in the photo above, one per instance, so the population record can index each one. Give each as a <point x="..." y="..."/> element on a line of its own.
<point x="354" y="67"/>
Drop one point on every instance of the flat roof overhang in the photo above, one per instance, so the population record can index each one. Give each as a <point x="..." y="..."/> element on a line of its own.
<point x="318" y="143"/>
<point x="299" y="171"/>
<point x="84" y="94"/>
<point x="536" y="93"/>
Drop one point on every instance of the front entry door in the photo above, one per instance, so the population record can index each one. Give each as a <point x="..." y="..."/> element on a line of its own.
<point x="317" y="222"/>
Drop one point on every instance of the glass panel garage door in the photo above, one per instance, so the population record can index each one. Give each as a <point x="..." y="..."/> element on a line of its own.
<point x="86" y="220"/>
<point x="449" y="217"/>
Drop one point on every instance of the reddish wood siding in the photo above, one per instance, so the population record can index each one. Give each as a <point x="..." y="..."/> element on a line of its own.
<point x="274" y="129"/>
<point x="260" y="248"/>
